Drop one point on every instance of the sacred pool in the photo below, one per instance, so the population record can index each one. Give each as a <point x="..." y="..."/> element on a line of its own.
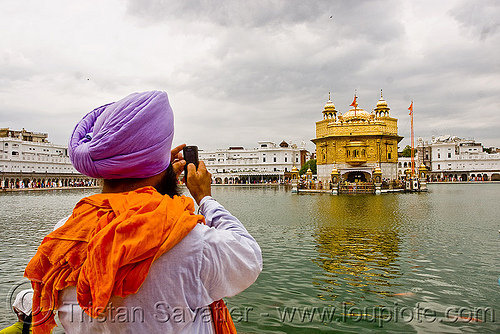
<point x="402" y="262"/>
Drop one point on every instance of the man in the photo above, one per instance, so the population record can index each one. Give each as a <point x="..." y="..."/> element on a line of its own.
<point x="136" y="258"/>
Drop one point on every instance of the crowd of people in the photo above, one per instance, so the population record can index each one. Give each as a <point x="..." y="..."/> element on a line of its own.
<point x="39" y="184"/>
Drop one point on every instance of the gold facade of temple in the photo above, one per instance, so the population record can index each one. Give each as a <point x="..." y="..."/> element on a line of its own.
<point x="357" y="142"/>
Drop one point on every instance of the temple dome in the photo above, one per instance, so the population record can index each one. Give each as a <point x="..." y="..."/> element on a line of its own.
<point x="382" y="103"/>
<point x="329" y="106"/>
<point x="357" y="114"/>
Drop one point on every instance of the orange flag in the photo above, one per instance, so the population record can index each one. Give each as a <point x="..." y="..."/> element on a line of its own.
<point x="354" y="102"/>
<point x="410" y="108"/>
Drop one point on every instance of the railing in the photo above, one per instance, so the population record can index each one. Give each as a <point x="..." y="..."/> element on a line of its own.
<point x="357" y="188"/>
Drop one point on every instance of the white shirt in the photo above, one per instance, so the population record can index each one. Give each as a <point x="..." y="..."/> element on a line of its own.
<point x="216" y="260"/>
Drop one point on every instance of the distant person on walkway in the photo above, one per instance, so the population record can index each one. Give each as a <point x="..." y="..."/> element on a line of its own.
<point x="22" y="308"/>
<point x="136" y="258"/>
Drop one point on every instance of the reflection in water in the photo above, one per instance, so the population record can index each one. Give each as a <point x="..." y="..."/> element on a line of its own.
<point x="358" y="248"/>
<point x="360" y="258"/>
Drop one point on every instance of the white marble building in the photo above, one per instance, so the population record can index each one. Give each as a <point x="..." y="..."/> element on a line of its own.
<point x="453" y="158"/>
<point x="267" y="162"/>
<point x="28" y="159"/>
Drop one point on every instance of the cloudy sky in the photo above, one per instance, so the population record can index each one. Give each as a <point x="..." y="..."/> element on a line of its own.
<point x="242" y="71"/>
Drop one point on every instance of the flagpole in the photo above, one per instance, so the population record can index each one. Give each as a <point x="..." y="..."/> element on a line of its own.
<point x="412" y="144"/>
<point x="355" y="103"/>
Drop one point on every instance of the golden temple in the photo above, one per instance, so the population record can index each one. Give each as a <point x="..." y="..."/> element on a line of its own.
<point x="357" y="144"/>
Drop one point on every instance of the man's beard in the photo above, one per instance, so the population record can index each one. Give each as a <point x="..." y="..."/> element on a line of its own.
<point x="168" y="184"/>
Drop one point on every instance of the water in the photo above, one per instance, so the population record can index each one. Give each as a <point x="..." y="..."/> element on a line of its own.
<point x="408" y="263"/>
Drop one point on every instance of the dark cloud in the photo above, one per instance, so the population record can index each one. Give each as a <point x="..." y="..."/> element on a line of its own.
<point x="246" y="14"/>
<point x="338" y="19"/>
<point x="263" y="64"/>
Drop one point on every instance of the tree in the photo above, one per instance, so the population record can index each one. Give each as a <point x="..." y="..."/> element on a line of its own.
<point x="407" y="151"/>
<point x="309" y="164"/>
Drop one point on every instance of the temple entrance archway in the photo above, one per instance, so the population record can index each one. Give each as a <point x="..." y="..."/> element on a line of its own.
<point x="356" y="177"/>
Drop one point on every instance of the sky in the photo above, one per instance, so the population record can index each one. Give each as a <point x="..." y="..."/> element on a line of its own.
<point x="239" y="72"/>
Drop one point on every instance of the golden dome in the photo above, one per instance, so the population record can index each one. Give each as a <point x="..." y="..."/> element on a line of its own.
<point x="329" y="106"/>
<point x="381" y="103"/>
<point x="295" y="169"/>
<point x="356" y="113"/>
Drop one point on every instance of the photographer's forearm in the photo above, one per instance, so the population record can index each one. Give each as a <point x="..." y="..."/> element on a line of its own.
<point x="199" y="182"/>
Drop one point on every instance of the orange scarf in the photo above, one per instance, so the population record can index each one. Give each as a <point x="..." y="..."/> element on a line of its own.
<point x="106" y="248"/>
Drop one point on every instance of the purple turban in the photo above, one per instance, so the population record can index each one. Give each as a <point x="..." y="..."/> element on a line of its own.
<point x="130" y="138"/>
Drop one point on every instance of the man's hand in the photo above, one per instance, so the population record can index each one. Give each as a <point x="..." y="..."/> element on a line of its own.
<point x="199" y="181"/>
<point x="177" y="160"/>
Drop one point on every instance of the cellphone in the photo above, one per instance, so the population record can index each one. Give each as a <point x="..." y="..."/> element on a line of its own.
<point x="191" y="156"/>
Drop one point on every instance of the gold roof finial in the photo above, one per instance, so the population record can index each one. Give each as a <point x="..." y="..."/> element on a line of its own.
<point x="381" y="103"/>
<point x="329" y="105"/>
